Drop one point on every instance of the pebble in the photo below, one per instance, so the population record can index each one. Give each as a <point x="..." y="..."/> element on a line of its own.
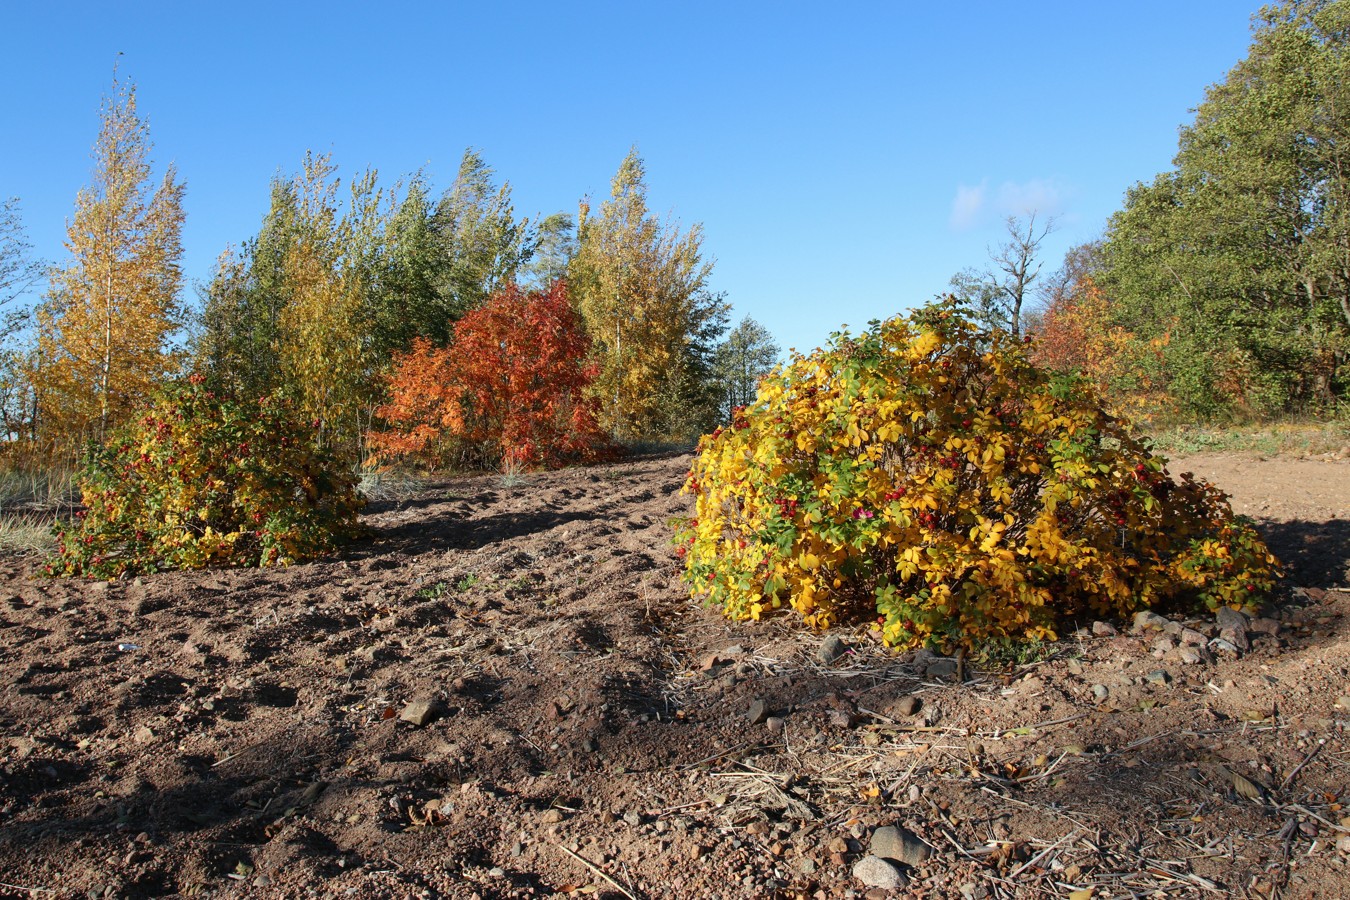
<point x="1100" y="692"/>
<point x="1344" y="703"/>
<point x="633" y="818"/>
<point x="775" y="724"/>
<point x="830" y="650"/>
<point x="807" y="866"/>
<point x="941" y="669"/>
<point x="1192" y="638"/>
<point x="262" y="881"/>
<point x="841" y="718"/>
<point x="1343" y="844"/>
<point x="422" y="712"/>
<point x="1227" y="617"/>
<point x="907" y="705"/>
<point x="1189" y="655"/>
<point x="1235" y="636"/>
<point x="893" y="842"/>
<point x="837" y="845"/>
<point x="1265" y="626"/>
<point x="1146" y="618"/>
<point x="143" y="735"/>
<point x="758" y="712"/>
<point x="1158" y="676"/>
<point x="876" y="872"/>
<point x="1104" y="629"/>
<point x="551" y="816"/>
<point x="1222" y="646"/>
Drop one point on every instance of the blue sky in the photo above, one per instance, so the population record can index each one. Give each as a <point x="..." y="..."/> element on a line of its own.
<point x="845" y="159"/>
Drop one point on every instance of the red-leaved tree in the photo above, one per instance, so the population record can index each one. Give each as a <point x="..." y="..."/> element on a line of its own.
<point x="511" y="388"/>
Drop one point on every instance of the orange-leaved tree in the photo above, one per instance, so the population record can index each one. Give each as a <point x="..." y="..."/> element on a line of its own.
<point x="511" y="387"/>
<point x="1077" y="336"/>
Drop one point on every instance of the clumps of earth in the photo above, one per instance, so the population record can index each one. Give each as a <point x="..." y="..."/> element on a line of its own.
<point x="506" y="692"/>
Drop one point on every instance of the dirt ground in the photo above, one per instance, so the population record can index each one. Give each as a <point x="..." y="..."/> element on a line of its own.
<point x="507" y="693"/>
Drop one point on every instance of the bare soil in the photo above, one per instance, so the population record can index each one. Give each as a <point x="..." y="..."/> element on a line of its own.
<point x="507" y="693"/>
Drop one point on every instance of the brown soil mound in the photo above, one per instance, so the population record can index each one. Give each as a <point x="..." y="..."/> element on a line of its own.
<point x="507" y="693"/>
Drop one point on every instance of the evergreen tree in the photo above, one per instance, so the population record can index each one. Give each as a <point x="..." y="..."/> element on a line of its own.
<point x="747" y="355"/>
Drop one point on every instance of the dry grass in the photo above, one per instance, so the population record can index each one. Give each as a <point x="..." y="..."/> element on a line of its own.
<point x="1281" y="439"/>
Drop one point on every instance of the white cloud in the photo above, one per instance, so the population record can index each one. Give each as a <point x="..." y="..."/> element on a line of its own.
<point x="974" y="206"/>
<point x="1035" y="196"/>
<point x="968" y="205"/>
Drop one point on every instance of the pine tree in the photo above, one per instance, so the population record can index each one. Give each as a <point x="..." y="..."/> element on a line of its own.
<point x="105" y="325"/>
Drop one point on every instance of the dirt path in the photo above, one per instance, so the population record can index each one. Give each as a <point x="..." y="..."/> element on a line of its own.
<point x="507" y="693"/>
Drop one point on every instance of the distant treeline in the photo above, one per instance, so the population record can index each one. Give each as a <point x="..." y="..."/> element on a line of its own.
<point x="341" y="284"/>
<point x="1222" y="289"/>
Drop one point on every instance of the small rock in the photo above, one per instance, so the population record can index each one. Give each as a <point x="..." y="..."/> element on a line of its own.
<point x="907" y="705"/>
<point x="1221" y="646"/>
<point x="1164" y="645"/>
<point x="1190" y="656"/>
<point x="143" y="735"/>
<point x="830" y="650"/>
<point x="1344" y="703"/>
<point x="633" y="818"/>
<point x="837" y="845"/>
<point x="497" y="872"/>
<point x="1104" y="629"/>
<point x="876" y="872"/>
<point x="262" y="881"/>
<point x="775" y="724"/>
<point x="914" y="793"/>
<point x="1192" y="638"/>
<point x="841" y="718"/>
<point x="1100" y="692"/>
<point x="1145" y="619"/>
<point x="1075" y="667"/>
<point x="757" y="713"/>
<point x="892" y="842"/>
<point x="422" y="712"/>
<point x="1235" y="636"/>
<point x="1158" y="676"/>
<point x="1227" y="617"/>
<point x="1343" y="844"/>
<point x="1265" y="626"/>
<point x="551" y="816"/>
<point x="941" y="669"/>
<point x="807" y="866"/>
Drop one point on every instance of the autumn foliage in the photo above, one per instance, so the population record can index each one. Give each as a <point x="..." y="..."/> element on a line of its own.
<point x="511" y="387"/>
<point x="928" y="476"/>
<point x="202" y="479"/>
<point x="1077" y="336"/>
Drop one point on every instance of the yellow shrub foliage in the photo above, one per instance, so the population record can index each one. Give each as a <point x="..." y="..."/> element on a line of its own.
<point x="928" y="474"/>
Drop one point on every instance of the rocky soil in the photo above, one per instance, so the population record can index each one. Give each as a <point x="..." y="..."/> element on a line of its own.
<point x="506" y="693"/>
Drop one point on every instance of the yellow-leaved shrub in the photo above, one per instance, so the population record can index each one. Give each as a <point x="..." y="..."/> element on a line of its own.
<point x="926" y="474"/>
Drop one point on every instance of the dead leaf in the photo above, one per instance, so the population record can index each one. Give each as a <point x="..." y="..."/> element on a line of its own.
<point x="1084" y="894"/>
<point x="1244" y="786"/>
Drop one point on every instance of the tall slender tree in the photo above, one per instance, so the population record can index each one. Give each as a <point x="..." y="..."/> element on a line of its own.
<point x="105" y="325"/>
<point x="642" y="288"/>
<point x="19" y="271"/>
